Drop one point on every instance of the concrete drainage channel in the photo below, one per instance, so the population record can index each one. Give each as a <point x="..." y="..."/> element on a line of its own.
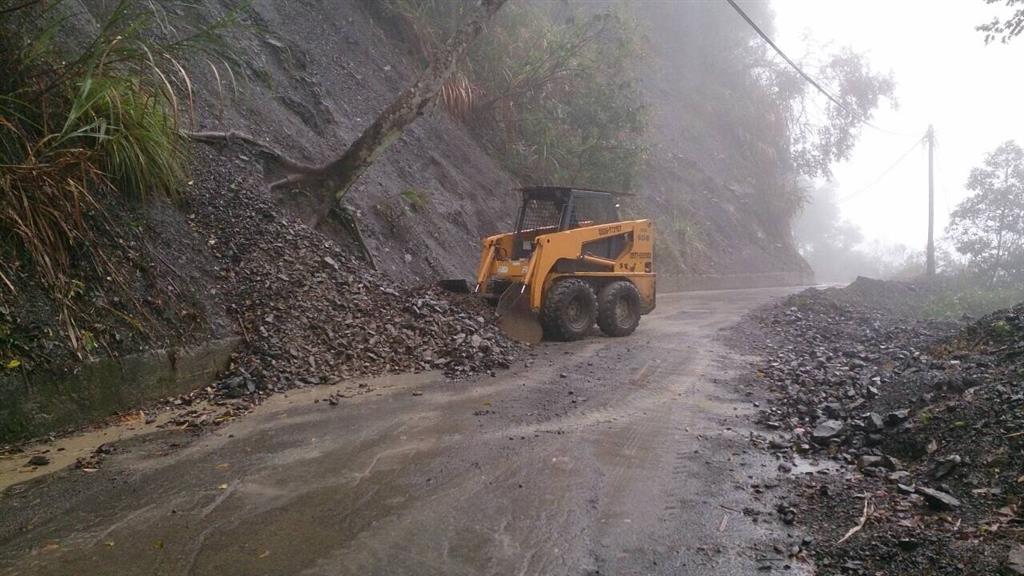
<point x="40" y="403"/>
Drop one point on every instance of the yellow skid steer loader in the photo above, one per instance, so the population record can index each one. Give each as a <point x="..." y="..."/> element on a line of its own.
<point x="569" y="263"/>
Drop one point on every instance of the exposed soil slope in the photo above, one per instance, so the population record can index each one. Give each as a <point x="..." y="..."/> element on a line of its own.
<point x="317" y="73"/>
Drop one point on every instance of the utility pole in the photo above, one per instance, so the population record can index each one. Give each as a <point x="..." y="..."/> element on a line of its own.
<point x="930" y="263"/>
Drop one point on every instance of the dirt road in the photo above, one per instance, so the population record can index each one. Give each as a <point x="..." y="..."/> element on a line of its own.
<point x="606" y="456"/>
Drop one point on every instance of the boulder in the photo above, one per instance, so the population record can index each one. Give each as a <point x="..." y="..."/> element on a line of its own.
<point x="938" y="499"/>
<point x="827" y="430"/>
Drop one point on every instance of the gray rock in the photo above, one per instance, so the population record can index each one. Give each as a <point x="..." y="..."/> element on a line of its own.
<point x="905" y="489"/>
<point x="945" y="466"/>
<point x="891" y="463"/>
<point x="899" y="476"/>
<point x="827" y="430"/>
<point x="832" y="409"/>
<point x="897" y="417"/>
<point x="873" y="421"/>
<point x="938" y="499"/>
<point x="1015" y="560"/>
<point x="868" y="461"/>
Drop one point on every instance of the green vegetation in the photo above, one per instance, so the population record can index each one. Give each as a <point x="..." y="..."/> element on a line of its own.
<point x="416" y="199"/>
<point x="79" y="128"/>
<point x="988" y="226"/>
<point x="951" y="295"/>
<point x="551" y="87"/>
<point x="822" y="139"/>
<point x="1002" y="329"/>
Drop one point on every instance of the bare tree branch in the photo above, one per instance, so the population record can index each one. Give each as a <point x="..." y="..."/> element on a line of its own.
<point x="337" y="176"/>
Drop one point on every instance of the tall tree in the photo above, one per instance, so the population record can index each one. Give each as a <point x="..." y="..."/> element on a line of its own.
<point x="1006" y="28"/>
<point x="553" y="89"/>
<point x="822" y="132"/>
<point x="988" y="226"/>
<point x="829" y="243"/>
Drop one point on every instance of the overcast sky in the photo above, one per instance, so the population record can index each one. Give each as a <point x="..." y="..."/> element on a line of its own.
<point x="945" y="75"/>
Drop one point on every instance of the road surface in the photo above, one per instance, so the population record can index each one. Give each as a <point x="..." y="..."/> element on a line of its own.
<point x="605" y="456"/>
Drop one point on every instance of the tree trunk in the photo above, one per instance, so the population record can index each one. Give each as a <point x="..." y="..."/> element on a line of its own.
<point x="999" y="248"/>
<point x="338" y="176"/>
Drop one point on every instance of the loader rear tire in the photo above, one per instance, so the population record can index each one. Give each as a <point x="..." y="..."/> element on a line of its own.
<point x="618" y="308"/>
<point x="569" y="310"/>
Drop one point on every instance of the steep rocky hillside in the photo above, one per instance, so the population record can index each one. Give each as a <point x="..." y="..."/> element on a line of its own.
<point x="311" y="75"/>
<point x="715" y="162"/>
<point x="718" y="177"/>
<point x="318" y="72"/>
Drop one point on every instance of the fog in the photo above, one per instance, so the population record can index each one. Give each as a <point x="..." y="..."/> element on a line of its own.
<point x="945" y="76"/>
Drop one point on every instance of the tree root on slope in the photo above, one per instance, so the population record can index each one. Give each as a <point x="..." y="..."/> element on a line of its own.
<point x="294" y="171"/>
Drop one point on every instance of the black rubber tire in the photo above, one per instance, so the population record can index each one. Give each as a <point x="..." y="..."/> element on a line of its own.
<point x="569" y="310"/>
<point x="618" y="308"/>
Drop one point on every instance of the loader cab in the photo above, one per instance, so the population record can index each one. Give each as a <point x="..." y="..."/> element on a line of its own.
<point x="547" y="209"/>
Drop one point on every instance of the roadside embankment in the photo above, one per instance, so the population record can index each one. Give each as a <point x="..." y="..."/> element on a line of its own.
<point x="922" y="422"/>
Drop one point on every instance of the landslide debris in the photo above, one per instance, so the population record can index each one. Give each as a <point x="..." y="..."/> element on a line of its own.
<point x="311" y="313"/>
<point x="921" y="424"/>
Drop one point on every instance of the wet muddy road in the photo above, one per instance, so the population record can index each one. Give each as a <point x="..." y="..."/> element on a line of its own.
<point x="606" y="456"/>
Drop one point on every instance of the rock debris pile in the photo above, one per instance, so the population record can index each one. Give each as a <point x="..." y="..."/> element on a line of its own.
<point x="310" y="313"/>
<point x="921" y="424"/>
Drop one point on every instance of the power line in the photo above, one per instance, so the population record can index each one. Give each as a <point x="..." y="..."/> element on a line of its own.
<point x="884" y="172"/>
<point x="803" y="74"/>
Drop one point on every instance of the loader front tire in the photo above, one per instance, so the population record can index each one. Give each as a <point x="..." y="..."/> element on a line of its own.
<point x="618" y="308"/>
<point x="569" y="310"/>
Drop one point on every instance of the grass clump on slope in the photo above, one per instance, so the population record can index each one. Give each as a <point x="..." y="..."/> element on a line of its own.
<point x="80" y="126"/>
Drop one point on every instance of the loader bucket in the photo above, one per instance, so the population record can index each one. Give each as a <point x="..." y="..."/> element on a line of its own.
<point x="457" y="285"/>
<point x="516" y="318"/>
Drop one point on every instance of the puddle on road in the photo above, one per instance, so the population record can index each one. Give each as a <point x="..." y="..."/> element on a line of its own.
<point x="65" y="451"/>
<point x="816" y="466"/>
<point x="349" y="390"/>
